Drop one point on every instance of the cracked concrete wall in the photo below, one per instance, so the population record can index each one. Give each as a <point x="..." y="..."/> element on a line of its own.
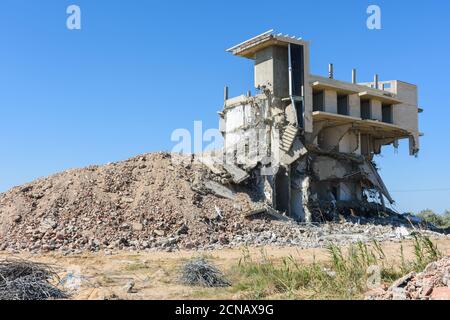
<point x="329" y="138"/>
<point x="350" y="143"/>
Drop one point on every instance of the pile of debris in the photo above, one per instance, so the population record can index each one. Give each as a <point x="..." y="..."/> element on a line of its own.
<point x="160" y="201"/>
<point x="431" y="284"/>
<point x="26" y="280"/>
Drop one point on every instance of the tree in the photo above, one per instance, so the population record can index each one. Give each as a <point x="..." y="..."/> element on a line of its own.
<point x="431" y="217"/>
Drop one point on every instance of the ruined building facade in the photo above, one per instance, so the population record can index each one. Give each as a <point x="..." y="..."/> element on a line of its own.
<point x="308" y="141"/>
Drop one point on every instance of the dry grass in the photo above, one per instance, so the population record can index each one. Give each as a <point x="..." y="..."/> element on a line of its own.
<point x="346" y="275"/>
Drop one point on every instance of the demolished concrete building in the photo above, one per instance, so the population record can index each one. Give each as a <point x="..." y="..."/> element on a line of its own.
<point x="307" y="142"/>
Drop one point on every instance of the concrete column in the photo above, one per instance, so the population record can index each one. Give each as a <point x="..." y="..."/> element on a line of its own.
<point x="330" y="101"/>
<point x="354" y="104"/>
<point x="376" y="110"/>
<point x="271" y="70"/>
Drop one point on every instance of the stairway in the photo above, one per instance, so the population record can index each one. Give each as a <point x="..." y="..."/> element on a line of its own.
<point x="287" y="139"/>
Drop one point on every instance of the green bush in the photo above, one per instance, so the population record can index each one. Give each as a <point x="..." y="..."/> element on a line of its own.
<point x="441" y="221"/>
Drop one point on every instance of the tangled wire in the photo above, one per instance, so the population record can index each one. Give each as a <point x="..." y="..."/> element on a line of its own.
<point x="199" y="272"/>
<point x="26" y="280"/>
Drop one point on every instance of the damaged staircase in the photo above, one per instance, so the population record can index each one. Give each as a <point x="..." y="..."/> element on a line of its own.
<point x="288" y="137"/>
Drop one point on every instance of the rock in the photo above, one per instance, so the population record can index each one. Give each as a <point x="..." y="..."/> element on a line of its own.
<point x="440" y="293"/>
<point x="431" y="267"/>
<point x="182" y="230"/>
<point x="426" y="285"/>
<point x="160" y="233"/>
<point x="399" y="293"/>
<point x="137" y="226"/>
<point x="400" y="283"/>
<point x="129" y="287"/>
<point x="374" y="293"/>
<point x="426" y="291"/>
<point x="125" y="226"/>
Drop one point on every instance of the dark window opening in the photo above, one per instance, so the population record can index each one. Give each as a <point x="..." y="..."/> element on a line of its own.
<point x="298" y="78"/>
<point x="335" y="192"/>
<point x="342" y="103"/>
<point x="386" y="110"/>
<point x="366" y="112"/>
<point x="318" y="101"/>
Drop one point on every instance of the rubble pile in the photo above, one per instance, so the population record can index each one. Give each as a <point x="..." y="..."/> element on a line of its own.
<point x="158" y="201"/>
<point x="431" y="284"/>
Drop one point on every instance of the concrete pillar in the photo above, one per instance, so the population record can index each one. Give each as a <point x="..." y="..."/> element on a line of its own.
<point x="297" y="211"/>
<point x="330" y="101"/>
<point x="376" y="110"/>
<point x="354" y="104"/>
<point x="271" y="70"/>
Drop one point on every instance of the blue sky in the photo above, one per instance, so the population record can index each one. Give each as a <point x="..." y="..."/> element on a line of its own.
<point x="137" y="70"/>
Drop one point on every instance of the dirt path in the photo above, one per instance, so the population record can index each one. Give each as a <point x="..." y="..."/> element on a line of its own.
<point x="155" y="274"/>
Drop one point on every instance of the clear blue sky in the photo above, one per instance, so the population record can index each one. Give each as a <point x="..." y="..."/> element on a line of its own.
<point x="139" y="69"/>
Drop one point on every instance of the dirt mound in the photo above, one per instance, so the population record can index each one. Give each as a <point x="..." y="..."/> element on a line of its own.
<point x="431" y="284"/>
<point x="142" y="202"/>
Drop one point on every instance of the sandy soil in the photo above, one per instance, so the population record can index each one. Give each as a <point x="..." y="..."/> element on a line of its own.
<point x="155" y="274"/>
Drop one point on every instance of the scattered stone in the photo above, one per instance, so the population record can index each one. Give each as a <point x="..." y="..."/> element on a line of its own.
<point x="129" y="287"/>
<point x="431" y="284"/>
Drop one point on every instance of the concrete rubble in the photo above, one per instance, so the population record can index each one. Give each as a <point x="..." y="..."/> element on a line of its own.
<point x="157" y="202"/>
<point x="431" y="284"/>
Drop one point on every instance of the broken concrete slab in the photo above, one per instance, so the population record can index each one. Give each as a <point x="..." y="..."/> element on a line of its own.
<point x="265" y="210"/>
<point x="211" y="162"/>
<point x="372" y="175"/>
<point x="219" y="190"/>
<point x="238" y="175"/>
<point x="297" y="151"/>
